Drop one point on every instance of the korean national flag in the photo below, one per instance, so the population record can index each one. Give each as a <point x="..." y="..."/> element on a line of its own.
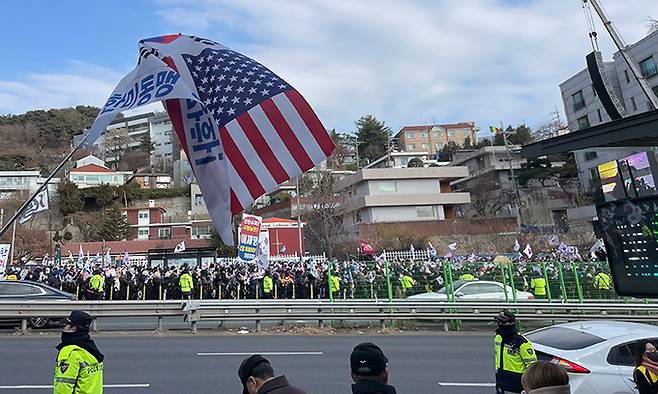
<point x="38" y="204"/>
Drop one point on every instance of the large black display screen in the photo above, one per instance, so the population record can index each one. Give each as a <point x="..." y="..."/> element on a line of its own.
<point x="630" y="233"/>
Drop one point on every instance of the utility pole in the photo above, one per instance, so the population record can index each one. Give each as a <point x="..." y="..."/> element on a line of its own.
<point x="511" y="169"/>
<point x="621" y="46"/>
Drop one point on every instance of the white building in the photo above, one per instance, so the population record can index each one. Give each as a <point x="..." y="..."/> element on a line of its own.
<point x="584" y="109"/>
<point x="162" y="136"/>
<point x="402" y="159"/>
<point x="390" y="195"/>
<point x="91" y="175"/>
<point x="15" y="183"/>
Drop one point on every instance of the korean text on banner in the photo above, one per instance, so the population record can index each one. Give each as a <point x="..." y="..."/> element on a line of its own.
<point x="249" y="237"/>
<point x="4" y="256"/>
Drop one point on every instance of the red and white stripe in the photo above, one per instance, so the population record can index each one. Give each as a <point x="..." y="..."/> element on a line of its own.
<point x="271" y="143"/>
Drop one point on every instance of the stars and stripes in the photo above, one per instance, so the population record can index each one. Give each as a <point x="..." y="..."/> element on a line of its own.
<point x="269" y="132"/>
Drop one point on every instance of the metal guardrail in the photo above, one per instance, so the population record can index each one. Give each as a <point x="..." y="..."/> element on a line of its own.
<point x="258" y="311"/>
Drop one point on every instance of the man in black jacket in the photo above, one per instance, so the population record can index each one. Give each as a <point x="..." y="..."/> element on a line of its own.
<point x="257" y="377"/>
<point x="369" y="370"/>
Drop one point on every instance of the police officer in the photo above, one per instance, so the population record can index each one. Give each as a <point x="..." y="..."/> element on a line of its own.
<point x="467" y="276"/>
<point x="407" y="283"/>
<point x="268" y="284"/>
<point x="603" y="283"/>
<point x="186" y="285"/>
<point x="334" y="284"/>
<point x="79" y="367"/>
<point x="97" y="286"/>
<point x="513" y="354"/>
<point x="10" y="275"/>
<point x="538" y="286"/>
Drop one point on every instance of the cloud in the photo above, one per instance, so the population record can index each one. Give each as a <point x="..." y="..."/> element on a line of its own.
<point x="414" y="62"/>
<point x="82" y="83"/>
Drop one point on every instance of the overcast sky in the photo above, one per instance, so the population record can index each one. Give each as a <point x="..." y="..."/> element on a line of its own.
<point x="406" y="62"/>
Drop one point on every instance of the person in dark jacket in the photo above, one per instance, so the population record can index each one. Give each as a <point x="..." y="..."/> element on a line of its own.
<point x="645" y="374"/>
<point x="257" y="377"/>
<point x="369" y="366"/>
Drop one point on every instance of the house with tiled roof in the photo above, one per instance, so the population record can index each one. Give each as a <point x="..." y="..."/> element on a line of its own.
<point x="91" y="171"/>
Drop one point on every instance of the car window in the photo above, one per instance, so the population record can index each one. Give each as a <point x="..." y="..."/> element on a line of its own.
<point x="468" y="289"/>
<point x="624" y="354"/>
<point x="487" y="288"/>
<point x="18" y="289"/>
<point x="563" y="338"/>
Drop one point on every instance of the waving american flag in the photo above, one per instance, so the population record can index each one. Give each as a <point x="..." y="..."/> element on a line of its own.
<point x="244" y="129"/>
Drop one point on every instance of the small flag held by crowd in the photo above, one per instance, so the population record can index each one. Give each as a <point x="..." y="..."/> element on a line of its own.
<point x="180" y="247"/>
<point x="431" y="252"/>
<point x="366" y="248"/>
<point x="495" y="130"/>
<point x="517" y="245"/>
<point x="528" y="251"/>
<point x="451" y="249"/>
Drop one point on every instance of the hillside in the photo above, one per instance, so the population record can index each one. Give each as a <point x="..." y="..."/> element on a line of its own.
<point x="38" y="139"/>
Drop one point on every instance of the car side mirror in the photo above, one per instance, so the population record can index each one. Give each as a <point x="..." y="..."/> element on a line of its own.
<point x="459" y="294"/>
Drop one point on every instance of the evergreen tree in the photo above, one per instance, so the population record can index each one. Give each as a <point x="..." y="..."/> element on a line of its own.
<point x="70" y="197"/>
<point x="373" y="136"/>
<point x="115" y="225"/>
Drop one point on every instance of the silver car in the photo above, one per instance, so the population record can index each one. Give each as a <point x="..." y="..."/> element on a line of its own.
<point x="475" y="290"/>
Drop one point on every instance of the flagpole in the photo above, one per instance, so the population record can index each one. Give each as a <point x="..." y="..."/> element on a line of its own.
<point x="299" y="221"/>
<point x="50" y="228"/>
<point x="43" y="186"/>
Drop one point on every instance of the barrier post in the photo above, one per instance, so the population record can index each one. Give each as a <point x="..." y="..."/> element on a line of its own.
<point x="388" y="279"/>
<point x="200" y="291"/>
<point x="311" y="284"/>
<point x="77" y="292"/>
<point x="502" y="271"/>
<point x="578" y="288"/>
<point x="219" y="293"/>
<point x="127" y="292"/>
<point x="160" y="291"/>
<point x="111" y="292"/>
<point x="563" y="288"/>
<point x="144" y="292"/>
<point x="239" y="285"/>
<point x="511" y="280"/>
<point x="548" y="287"/>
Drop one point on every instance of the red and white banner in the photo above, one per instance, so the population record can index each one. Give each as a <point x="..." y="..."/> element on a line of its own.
<point x="249" y="237"/>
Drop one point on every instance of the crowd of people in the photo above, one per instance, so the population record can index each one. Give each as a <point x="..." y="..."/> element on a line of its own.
<point x="231" y="279"/>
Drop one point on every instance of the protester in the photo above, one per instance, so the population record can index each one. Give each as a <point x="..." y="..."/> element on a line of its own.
<point x="369" y="370"/>
<point x="645" y="374"/>
<point x="513" y="354"/>
<point x="79" y="367"/>
<point x="257" y="377"/>
<point x="544" y="377"/>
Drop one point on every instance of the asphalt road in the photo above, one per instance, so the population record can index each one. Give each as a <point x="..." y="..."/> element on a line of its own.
<point x="186" y="363"/>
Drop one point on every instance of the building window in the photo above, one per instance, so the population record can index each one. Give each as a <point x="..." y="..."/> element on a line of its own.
<point x="424" y="146"/>
<point x="628" y="80"/>
<point x="633" y="104"/>
<point x="411" y="146"/>
<point x="591" y="155"/>
<point x="143" y="233"/>
<point x="164" y="233"/>
<point x="598" y="112"/>
<point x="387" y="187"/>
<point x="437" y="134"/>
<point x="411" y="135"/>
<point x="423" y="135"/>
<point x="438" y="146"/>
<point x="583" y="123"/>
<point x="578" y="100"/>
<point x="452" y="133"/>
<point x="143" y="215"/>
<point x="648" y="67"/>
<point x="146" y="181"/>
<point x="425" y="212"/>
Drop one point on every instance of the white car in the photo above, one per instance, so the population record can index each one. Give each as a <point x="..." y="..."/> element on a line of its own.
<point x="475" y="290"/>
<point x="598" y="355"/>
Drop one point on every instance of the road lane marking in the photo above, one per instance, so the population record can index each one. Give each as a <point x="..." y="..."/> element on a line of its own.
<point x="467" y="384"/>
<point x="50" y="386"/>
<point x="263" y="354"/>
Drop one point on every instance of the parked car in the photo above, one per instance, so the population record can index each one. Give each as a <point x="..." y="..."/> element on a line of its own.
<point x="598" y="355"/>
<point x="22" y="290"/>
<point x="474" y="290"/>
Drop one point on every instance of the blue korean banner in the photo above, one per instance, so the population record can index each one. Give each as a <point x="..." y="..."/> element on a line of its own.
<point x="249" y="237"/>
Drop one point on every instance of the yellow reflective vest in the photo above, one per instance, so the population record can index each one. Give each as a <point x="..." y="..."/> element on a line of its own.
<point x="268" y="284"/>
<point x="467" y="277"/>
<point x="538" y="286"/>
<point x="407" y="282"/>
<point x="602" y="281"/>
<point x="97" y="283"/>
<point x="334" y="284"/>
<point x="77" y="371"/>
<point x="186" y="283"/>
<point x="512" y="358"/>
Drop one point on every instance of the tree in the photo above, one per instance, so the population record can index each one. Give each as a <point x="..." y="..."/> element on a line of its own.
<point x="117" y="143"/>
<point x="451" y="147"/>
<point x="88" y="223"/>
<point x="415" y="162"/>
<point x="653" y="25"/>
<point x="223" y="250"/>
<point x="70" y="197"/>
<point x="468" y="144"/>
<point x="373" y="136"/>
<point x="521" y="135"/>
<point x="115" y="225"/>
<point x="323" y="220"/>
<point x="539" y="169"/>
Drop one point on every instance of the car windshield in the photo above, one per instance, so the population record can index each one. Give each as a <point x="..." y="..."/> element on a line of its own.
<point x="457" y="284"/>
<point x="563" y="338"/>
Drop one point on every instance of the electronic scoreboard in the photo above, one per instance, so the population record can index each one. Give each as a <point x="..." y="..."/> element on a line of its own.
<point x="630" y="233"/>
